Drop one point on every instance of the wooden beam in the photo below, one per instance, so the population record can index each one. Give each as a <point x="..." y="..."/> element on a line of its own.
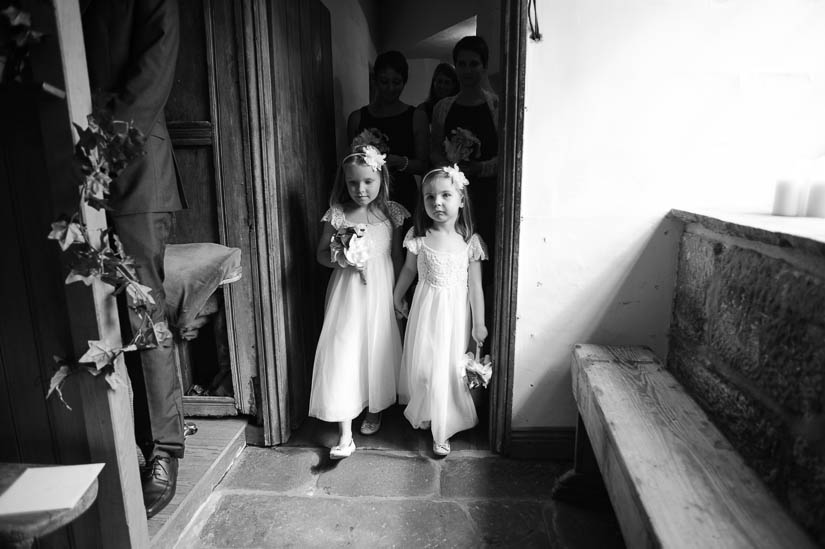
<point x="513" y="48"/>
<point x="108" y="413"/>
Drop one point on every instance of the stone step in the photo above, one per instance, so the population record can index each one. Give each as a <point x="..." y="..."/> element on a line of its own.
<point x="209" y="455"/>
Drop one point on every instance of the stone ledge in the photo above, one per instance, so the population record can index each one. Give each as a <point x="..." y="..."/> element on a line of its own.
<point x="806" y="234"/>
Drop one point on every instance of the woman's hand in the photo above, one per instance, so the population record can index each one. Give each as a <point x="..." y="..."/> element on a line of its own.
<point x="479" y="334"/>
<point x="394" y="161"/>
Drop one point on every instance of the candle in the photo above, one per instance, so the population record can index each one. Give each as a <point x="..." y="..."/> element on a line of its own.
<point x="786" y="198"/>
<point x="816" y="199"/>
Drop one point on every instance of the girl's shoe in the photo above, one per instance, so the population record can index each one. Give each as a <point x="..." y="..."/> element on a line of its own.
<point x="370" y="425"/>
<point x="441" y="448"/>
<point x="342" y="451"/>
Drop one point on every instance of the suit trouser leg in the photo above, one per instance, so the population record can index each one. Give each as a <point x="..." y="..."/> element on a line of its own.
<point x="144" y="237"/>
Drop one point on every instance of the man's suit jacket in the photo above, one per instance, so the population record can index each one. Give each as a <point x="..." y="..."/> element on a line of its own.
<point x="131" y="52"/>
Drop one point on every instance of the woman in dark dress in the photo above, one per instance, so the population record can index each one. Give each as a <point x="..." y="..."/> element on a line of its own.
<point x="475" y="109"/>
<point x="444" y="84"/>
<point x="406" y="127"/>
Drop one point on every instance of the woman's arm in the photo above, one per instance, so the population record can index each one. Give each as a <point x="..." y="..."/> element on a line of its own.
<point x="418" y="162"/>
<point x="437" y="157"/>
<point x="322" y="254"/>
<point x="408" y="273"/>
<point x="421" y="138"/>
<point x="477" y="302"/>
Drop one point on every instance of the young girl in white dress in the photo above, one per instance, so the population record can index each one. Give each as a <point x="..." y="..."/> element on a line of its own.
<point x="447" y="307"/>
<point x="359" y="350"/>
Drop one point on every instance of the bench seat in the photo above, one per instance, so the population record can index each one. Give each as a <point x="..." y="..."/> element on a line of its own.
<point x="672" y="477"/>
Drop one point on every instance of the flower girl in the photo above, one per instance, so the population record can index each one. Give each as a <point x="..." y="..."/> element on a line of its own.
<point x="445" y="254"/>
<point x="359" y="350"/>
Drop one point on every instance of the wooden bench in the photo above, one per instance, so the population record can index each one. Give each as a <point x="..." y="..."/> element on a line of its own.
<point x="672" y="477"/>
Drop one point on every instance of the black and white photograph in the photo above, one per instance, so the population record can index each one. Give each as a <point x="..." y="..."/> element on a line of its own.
<point x="412" y="274"/>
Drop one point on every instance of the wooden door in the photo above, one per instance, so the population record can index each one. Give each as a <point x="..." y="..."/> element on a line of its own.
<point x="289" y="87"/>
<point x="302" y="84"/>
<point x="204" y="114"/>
<point x="251" y="119"/>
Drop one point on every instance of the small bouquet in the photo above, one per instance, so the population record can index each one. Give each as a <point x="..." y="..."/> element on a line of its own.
<point x="462" y="145"/>
<point x="349" y="248"/>
<point x="477" y="370"/>
<point x="374" y="137"/>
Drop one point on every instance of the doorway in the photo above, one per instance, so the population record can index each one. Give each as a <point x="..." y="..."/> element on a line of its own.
<point x="508" y="47"/>
<point x="250" y="118"/>
<point x="215" y="336"/>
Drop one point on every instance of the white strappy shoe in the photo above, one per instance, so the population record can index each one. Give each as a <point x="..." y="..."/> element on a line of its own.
<point x="342" y="451"/>
<point x="441" y="448"/>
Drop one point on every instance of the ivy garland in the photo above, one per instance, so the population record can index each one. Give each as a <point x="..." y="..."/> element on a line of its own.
<point x="102" y="151"/>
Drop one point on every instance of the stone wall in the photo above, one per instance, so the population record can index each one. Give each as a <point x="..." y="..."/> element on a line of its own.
<point x="748" y="341"/>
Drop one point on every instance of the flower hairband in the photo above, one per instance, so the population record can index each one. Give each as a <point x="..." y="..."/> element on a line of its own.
<point x="372" y="157"/>
<point x="457" y="177"/>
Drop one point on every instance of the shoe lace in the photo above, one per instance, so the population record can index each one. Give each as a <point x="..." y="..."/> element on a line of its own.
<point x="160" y="467"/>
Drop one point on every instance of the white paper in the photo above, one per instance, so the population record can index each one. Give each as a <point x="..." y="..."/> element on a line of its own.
<point x="48" y="488"/>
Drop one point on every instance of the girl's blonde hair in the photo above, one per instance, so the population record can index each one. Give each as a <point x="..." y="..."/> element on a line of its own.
<point x="340" y="194"/>
<point x="422" y="222"/>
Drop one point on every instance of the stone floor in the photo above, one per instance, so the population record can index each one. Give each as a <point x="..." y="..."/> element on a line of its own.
<point x="391" y="493"/>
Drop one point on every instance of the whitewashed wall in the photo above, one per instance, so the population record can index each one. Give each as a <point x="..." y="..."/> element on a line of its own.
<point x="633" y="108"/>
<point x="353" y="51"/>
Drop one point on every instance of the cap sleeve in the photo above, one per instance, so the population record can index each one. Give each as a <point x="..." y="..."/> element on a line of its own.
<point x="412" y="242"/>
<point x="335" y="216"/>
<point x="398" y="213"/>
<point x="477" y="249"/>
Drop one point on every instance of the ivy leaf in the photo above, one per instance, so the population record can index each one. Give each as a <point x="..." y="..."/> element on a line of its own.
<point x="99" y="353"/>
<point x="67" y="234"/>
<point x="56" y="382"/>
<point x="114" y="380"/>
<point x="162" y="332"/>
<point x="99" y="204"/>
<point x="73" y="235"/>
<point x="58" y="231"/>
<point x="139" y="293"/>
<point x="17" y="17"/>
<point x="75" y="276"/>
<point x="144" y="337"/>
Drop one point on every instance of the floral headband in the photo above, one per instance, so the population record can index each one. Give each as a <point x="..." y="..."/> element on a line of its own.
<point x="457" y="177"/>
<point x="372" y="157"/>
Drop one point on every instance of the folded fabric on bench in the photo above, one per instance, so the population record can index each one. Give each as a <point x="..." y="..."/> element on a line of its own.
<point x="192" y="274"/>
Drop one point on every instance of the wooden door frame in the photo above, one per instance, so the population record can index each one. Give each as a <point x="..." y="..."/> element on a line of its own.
<point x="262" y="159"/>
<point x="511" y="119"/>
<point x="261" y="133"/>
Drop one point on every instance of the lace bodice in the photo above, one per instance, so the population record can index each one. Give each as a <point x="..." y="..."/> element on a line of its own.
<point x="379" y="234"/>
<point x="445" y="269"/>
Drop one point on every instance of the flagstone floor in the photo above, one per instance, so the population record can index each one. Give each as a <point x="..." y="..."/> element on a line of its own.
<point x="391" y="492"/>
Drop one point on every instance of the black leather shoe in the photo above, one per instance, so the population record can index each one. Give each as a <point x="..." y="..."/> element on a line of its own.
<point x="159" y="484"/>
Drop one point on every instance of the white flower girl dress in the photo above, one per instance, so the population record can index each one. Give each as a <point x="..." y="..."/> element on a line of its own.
<point x="438" y="331"/>
<point x="359" y="350"/>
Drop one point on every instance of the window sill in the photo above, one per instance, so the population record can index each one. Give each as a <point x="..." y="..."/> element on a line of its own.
<point x="806" y="234"/>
